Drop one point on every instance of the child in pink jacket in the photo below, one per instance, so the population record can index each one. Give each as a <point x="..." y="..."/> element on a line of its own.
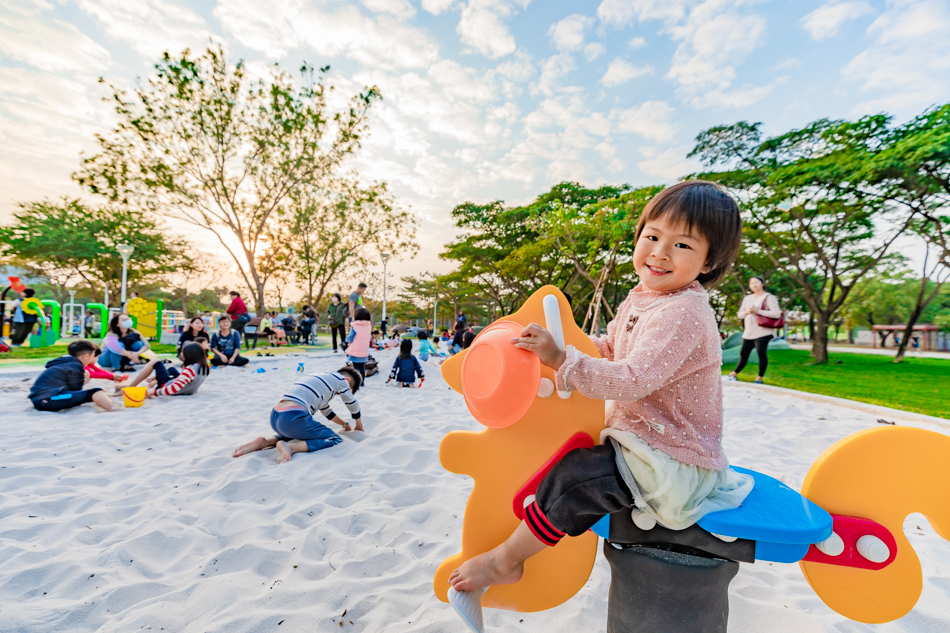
<point x="660" y="370"/>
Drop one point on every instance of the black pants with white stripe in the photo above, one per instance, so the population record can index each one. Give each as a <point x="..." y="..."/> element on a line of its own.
<point x="580" y="489"/>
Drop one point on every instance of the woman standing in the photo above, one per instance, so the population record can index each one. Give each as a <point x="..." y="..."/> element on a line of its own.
<point x="336" y="317"/>
<point x="755" y="305"/>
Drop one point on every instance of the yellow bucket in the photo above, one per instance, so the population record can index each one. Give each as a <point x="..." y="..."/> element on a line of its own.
<point x="134" y="396"/>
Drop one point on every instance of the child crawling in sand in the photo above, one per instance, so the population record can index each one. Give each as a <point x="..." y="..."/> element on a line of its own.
<point x="660" y="371"/>
<point x="292" y="417"/>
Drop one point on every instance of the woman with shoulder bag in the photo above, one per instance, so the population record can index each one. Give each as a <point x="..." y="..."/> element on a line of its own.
<point x="761" y="316"/>
<point x="336" y="317"/>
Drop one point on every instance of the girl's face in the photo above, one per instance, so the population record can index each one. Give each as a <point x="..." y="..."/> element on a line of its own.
<point x="205" y="345"/>
<point x="336" y="301"/>
<point x="197" y="324"/>
<point x="755" y="285"/>
<point x="667" y="257"/>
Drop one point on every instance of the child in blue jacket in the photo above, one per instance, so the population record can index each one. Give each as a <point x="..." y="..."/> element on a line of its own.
<point x="60" y="386"/>
<point x="406" y="367"/>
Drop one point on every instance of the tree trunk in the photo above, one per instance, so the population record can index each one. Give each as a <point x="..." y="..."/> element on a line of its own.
<point x="811" y="325"/>
<point x="819" y="338"/>
<point x="908" y="332"/>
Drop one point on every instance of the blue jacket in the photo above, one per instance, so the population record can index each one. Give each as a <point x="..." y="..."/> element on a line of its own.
<point x="405" y="369"/>
<point x="61" y="375"/>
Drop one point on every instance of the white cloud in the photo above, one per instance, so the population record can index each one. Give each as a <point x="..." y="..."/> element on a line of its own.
<point x="906" y="68"/>
<point x="398" y="8"/>
<point x="714" y="39"/>
<point x="569" y="33"/>
<point x="594" y="50"/>
<point x="637" y="42"/>
<point x="482" y="27"/>
<point x="623" y="12"/>
<point x="381" y="41"/>
<point x="825" y="21"/>
<point x="552" y="70"/>
<point x="651" y="120"/>
<point x="435" y="7"/>
<point x="668" y="165"/>
<point x="789" y="64"/>
<point x="620" y="71"/>
<point x="149" y="26"/>
<point x="31" y="35"/>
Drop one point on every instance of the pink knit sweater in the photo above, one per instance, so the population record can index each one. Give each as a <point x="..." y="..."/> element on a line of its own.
<point x="661" y="370"/>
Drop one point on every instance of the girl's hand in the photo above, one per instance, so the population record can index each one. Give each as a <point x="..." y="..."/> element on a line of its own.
<point x="753" y="310"/>
<point x="540" y="341"/>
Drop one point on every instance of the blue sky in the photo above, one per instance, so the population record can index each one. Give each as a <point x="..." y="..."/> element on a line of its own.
<point x="484" y="99"/>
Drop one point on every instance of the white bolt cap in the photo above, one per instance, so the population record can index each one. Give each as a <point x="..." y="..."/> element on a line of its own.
<point x="831" y="546"/>
<point x="527" y="501"/>
<point x="726" y="539"/>
<point x="643" y="520"/>
<point x="873" y="549"/>
<point x="546" y="388"/>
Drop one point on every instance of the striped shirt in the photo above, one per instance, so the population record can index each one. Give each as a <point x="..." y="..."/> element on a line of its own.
<point x="185" y="384"/>
<point x="315" y="391"/>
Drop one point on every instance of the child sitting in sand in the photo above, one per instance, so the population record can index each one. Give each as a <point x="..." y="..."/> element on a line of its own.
<point x="406" y="367"/>
<point x="425" y="347"/>
<point x="660" y="371"/>
<point x="292" y="417"/>
<point x="168" y="381"/>
<point x="60" y="386"/>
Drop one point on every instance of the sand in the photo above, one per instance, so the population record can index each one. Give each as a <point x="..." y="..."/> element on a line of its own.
<point x="142" y="520"/>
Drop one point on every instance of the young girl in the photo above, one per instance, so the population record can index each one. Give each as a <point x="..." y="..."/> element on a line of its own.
<point x="292" y="417"/>
<point x="357" y="348"/>
<point x="265" y="328"/>
<point x="122" y="346"/>
<point x="406" y="367"/>
<point x="169" y="381"/>
<point x="425" y="347"/>
<point x="196" y="327"/>
<point x="660" y="370"/>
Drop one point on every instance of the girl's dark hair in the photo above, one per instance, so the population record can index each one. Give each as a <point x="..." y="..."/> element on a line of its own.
<point x="705" y="207"/>
<point x="355" y="379"/>
<point x="193" y="319"/>
<point x="423" y="335"/>
<point x="338" y="297"/>
<point x="467" y="339"/>
<point x="28" y="292"/>
<point x="362" y="314"/>
<point x="759" y="278"/>
<point x="193" y="354"/>
<point x="459" y="326"/>
<point x="114" y="325"/>
<point x="405" y="348"/>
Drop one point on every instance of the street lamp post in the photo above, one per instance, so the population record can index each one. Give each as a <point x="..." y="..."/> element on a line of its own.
<point x="125" y="250"/>
<point x="385" y="257"/>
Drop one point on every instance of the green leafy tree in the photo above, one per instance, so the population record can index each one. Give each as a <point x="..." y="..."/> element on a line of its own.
<point x="71" y="242"/>
<point x="333" y="230"/>
<point x="203" y="143"/>
<point x="810" y="206"/>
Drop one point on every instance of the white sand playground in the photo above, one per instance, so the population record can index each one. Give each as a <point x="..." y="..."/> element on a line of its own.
<point x="141" y="520"/>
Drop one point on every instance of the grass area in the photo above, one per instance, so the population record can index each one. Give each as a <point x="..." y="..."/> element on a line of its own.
<point x="920" y="385"/>
<point x="27" y="353"/>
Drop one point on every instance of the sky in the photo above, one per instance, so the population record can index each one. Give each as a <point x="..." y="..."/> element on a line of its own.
<point x="482" y="99"/>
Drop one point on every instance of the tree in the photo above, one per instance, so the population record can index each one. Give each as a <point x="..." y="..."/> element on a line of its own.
<point x="595" y="238"/>
<point x="810" y="205"/>
<point x="342" y="227"/>
<point x="506" y="254"/>
<point x="72" y="242"/>
<point x="188" y="284"/>
<point x="203" y="143"/>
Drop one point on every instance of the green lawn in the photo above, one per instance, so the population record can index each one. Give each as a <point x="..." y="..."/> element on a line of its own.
<point x="921" y="385"/>
<point x="25" y="353"/>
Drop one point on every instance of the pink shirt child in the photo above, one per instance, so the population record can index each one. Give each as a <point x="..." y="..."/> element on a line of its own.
<point x="661" y="371"/>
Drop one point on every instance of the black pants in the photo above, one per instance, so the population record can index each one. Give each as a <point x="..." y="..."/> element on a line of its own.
<point x="20" y="332"/>
<point x="66" y="400"/>
<point x="240" y="361"/>
<point x="360" y="367"/>
<point x="580" y="489"/>
<point x="761" y="346"/>
<point x="334" y="329"/>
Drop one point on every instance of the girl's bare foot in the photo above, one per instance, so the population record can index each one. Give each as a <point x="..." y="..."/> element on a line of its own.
<point x="254" y="445"/>
<point x="485" y="570"/>
<point x="287" y="450"/>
